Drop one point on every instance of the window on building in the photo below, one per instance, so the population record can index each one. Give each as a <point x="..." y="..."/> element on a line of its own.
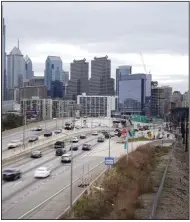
<point x="52" y="66"/>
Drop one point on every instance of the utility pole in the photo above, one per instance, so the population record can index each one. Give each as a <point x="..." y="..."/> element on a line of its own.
<point x="71" y="185"/>
<point x="24" y="127"/>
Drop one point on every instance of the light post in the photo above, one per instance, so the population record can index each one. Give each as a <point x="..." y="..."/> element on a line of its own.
<point x="24" y="127"/>
<point x="71" y="185"/>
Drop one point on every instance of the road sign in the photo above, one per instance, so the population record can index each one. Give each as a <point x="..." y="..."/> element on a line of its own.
<point x="125" y="145"/>
<point x="109" y="160"/>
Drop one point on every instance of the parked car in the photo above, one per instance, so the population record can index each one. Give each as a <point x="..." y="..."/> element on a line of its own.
<point x="74" y="140"/>
<point x="58" y="131"/>
<point x="85" y="117"/>
<point x="60" y="151"/>
<point x="112" y="134"/>
<point x="11" y="174"/>
<point x="36" y="154"/>
<point x="42" y="172"/>
<point x="47" y="134"/>
<point x="37" y="129"/>
<point x="66" y="158"/>
<point x="14" y="144"/>
<point x="100" y="139"/>
<point x="59" y="144"/>
<point x="86" y="146"/>
<point x="136" y="130"/>
<point x="74" y="146"/>
<point x="82" y="136"/>
<point x="33" y="139"/>
<point x="95" y="133"/>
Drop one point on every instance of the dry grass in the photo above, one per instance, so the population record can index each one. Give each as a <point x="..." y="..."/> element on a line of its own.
<point x="122" y="184"/>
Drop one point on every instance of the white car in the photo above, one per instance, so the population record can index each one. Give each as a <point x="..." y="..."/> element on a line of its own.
<point x="74" y="140"/>
<point x="66" y="158"/>
<point x="42" y="172"/>
<point x="95" y="133"/>
<point x="14" y="144"/>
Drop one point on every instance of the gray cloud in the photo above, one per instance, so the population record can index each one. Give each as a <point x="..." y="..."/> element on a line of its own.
<point x="102" y="27"/>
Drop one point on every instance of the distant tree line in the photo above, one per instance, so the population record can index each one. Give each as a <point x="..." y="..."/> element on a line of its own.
<point x="11" y="121"/>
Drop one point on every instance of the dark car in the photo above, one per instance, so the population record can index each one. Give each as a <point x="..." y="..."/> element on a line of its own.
<point x="75" y="146"/>
<point x="86" y="146"/>
<point x="11" y="174"/>
<point x="47" y="134"/>
<point x="36" y="154"/>
<point x="33" y="139"/>
<point x="100" y="139"/>
<point x="104" y="132"/>
<point x="59" y="144"/>
<point x="82" y="136"/>
<point x="136" y="130"/>
<point x="38" y="129"/>
<point x="107" y="136"/>
<point x="60" y="151"/>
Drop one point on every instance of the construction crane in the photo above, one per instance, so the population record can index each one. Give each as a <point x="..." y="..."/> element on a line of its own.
<point x="144" y="64"/>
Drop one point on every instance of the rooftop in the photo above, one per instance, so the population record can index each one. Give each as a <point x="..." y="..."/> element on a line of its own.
<point x="16" y="51"/>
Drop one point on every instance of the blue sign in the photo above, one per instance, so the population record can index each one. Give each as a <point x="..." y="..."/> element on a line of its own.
<point x="109" y="160"/>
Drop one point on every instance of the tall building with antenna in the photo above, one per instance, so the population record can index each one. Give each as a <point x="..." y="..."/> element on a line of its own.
<point x="15" y="68"/>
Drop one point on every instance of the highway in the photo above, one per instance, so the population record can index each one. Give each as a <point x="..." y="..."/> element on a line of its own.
<point x="20" y="196"/>
<point x="50" y="125"/>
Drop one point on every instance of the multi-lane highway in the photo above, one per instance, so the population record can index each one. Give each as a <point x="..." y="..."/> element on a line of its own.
<point x="50" y="125"/>
<point x="21" y="196"/>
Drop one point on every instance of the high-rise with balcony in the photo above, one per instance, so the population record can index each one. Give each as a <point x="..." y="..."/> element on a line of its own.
<point x="101" y="82"/>
<point x="3" y="59"/>
<point x="15" y="69"/>
<point x="54" y="76"/>
<point x="78" y="82"/>
<point x="28" y="68"/>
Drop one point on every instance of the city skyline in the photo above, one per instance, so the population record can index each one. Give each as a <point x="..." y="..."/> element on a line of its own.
<point x="161" y="41"/>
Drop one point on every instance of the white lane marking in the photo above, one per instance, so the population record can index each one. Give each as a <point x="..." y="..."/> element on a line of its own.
<point x="18" y="183"/>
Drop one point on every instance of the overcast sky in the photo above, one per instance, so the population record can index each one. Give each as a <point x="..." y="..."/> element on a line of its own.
<point x="120" y="30"/>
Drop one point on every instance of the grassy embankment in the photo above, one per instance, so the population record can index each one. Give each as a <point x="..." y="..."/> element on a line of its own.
<point x="121" y="186"/>
<point x="138" y="139"/>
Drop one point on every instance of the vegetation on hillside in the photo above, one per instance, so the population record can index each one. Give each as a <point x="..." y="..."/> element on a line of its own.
<point x="121" y="187"/>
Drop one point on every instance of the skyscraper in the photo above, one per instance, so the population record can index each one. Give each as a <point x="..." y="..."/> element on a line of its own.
<point x="134" y="94"/>
<point x="28" y="68"/>
<point x="3" y="59"/>
<point x="122" y="70"/>
<point x="15" y="69"/>
<point x="101" y="82"/>
<point x="66" y="78"/>
<point x="53" y="73"/>
<point x="78" y="82"/>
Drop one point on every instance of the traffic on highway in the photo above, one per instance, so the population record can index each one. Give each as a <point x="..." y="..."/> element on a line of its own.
<point x="41" y="173"/>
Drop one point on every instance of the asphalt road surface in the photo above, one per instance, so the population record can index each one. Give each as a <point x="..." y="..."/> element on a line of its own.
<point x="50" y="125"/>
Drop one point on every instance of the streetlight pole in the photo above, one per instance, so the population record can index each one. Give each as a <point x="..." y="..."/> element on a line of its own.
<point x="24" y="127"/>
<point x="71" y="185"/>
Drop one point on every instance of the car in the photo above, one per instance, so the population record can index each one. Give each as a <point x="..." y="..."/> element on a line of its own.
<point x="33" y="139"/>
<point x="11" y="174"/>
<point x="74" y="146"/>
<point x="82" y="136"/>
<point x="59" y="144"/>
<point x="85" y="117"/>
<point x="37" y="129"/>
<point x="95" y="133"/>
<point x="136" y="130"/>
<point x="77" y="117"/>
<point x="107" y="136"/>
<point x="36" y="154"/>
<point x="104" y="132"/>
<point x="74" y="140"/>
<point x="86" y="146"/>
<point x="42" y="172"/>
<point x="14" y="144"/>
<point x="66" y="158"/>
<point x="112" y="134"/>
<point x="60" y="151"/>
<point x="100" y="139"/>
<point x="47" y="134"/>
<point x="77" y="127"/>
<point x="58" y="131"/>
